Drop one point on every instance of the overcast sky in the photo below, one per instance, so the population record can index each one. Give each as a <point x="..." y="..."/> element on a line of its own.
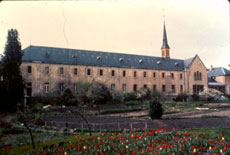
<point x="124" y="26"/>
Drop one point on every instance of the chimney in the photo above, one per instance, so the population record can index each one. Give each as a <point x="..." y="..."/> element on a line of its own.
<point x="211" y="67"/>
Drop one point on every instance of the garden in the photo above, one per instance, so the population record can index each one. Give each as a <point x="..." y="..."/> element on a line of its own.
<point x="95" y="120"/>
<point x="136" y="141"/>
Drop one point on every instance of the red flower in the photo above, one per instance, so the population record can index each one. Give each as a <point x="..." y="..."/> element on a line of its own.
<point x="200" y="148"/>
<point x="180" y="150"/>
<point x="208" y="141"/>
<point x="147" y="150"/>
<point x="220" y="134"/>
<point x="99" y="152"/>
<point x="38" y="153"/>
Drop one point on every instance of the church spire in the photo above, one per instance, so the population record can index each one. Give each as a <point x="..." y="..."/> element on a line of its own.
<point x="165" y="47"/>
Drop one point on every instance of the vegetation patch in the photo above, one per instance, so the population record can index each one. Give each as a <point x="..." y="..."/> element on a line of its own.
<point x="152" y="141"/>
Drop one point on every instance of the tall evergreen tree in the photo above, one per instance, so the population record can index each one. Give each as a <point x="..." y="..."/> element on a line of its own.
<point x="13" y="85"/>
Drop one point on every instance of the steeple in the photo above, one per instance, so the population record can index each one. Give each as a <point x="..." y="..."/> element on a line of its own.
<point x="165" y="47"/>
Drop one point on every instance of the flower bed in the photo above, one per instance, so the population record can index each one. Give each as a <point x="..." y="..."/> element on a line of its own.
<point x="138" y="142"/>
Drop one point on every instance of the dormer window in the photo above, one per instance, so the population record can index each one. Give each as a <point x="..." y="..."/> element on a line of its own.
<point x="121" y="59"/>
<point x="140" y="61"/>
<point x="47" y="55"/>
<point x="74" y="56"/>
<point x="98" y="57"/>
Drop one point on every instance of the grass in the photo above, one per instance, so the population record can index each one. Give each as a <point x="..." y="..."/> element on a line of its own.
<point x="16" y="150"/>
<point x="212" y="133"/>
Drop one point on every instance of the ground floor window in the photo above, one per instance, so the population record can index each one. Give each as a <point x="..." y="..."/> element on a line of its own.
<point x="29" y="89"/>
<point x="124" y="87"/>
<point x="163" y="88"/>
<point x="112" y="86"/>
<point x="46" y="87"/>
<point x="197" y="89"/>
<point x="61" y="87"/>
<point x="134" y="87"/>
<point x="181" y="88"/>
<point x="173" y="89"/>
<point x="154" y="87"/>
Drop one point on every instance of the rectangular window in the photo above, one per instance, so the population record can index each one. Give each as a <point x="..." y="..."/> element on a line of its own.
<point x="29" y="69"/>
<point x="61" y="70"/>
<point x="134" y="87"/>
<point x="46" y="87"/>
<point x="75" y="71"/>
<point x="88" y="71"/>
<point x="145" y="86"/>
<point x="181" y="88"/>
<point x="61" y="87"/>
<point x="154" y="74"/>
<point x="113" y="73"/>
<point x="135" y="73"/>
<point x="112" y="86"/>
<point x="124" y="87"/>
<point x="144" y="74"/>
<point x="163" y="88"/>
<point x="101" y="72"/>
<point x="47" y="70"/>
<point x="75" y="87"/>
<point x="173" y="89"/>
<point x="181" y="76"/>
<point x="124" y="73"/>
<point x="154" y="87"/>
<point x="163" y="75"/>
<point x="29" y="89"/>
<point x="172" y="75"/>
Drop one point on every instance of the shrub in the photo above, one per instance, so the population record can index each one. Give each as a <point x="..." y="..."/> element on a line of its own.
<point x="132" y="96"/>
<point x="132" y="103"/>
<point x="155" y="109"/>
<point x="158" y="95"/>
<point x="117" y="97"/>
<point x="181" y="97"/>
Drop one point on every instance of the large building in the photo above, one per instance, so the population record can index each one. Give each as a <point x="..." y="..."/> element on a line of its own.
<point x="219" y="78"/>
<point x="48" y="69"/>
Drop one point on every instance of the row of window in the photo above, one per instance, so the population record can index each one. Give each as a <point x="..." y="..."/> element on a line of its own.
<point x="113" y="86"/>
<point x="75" y="72"/>
<point x="197" y="76"/>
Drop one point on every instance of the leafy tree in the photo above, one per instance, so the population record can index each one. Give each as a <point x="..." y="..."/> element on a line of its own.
<point x="12" y="83"/>
<point x="98" y="93"/>
<point x="143" y="94"/>
<point x="81" y="89"/>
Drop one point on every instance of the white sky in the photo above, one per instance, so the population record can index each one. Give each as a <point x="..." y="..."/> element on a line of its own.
<point x="125" y="26"/>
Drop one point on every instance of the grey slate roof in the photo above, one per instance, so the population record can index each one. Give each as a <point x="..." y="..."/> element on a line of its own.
<point x="218" y="71"/>
<point x="53" y="55"/>
<point x="165" y="41"/>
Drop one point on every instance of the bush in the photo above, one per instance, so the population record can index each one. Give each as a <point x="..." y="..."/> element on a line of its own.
<point x="181" y="97"/>
<point x="195" y="97"/>
<point x="132" y="103"/>
<point x="117" y="97"/>
<point x="132" y="96"/>
<point x="158" y="95"/>
<point x="155" y="109"/>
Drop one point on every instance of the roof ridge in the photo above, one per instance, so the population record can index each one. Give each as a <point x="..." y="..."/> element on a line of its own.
<point x="104" y="52"/>
<point x="223" y="70"/>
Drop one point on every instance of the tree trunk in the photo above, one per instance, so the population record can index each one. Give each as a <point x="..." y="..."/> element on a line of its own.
<point x="31" y="135"/>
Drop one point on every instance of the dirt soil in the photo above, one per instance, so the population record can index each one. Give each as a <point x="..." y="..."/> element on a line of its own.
<point x="218" y="115"/>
